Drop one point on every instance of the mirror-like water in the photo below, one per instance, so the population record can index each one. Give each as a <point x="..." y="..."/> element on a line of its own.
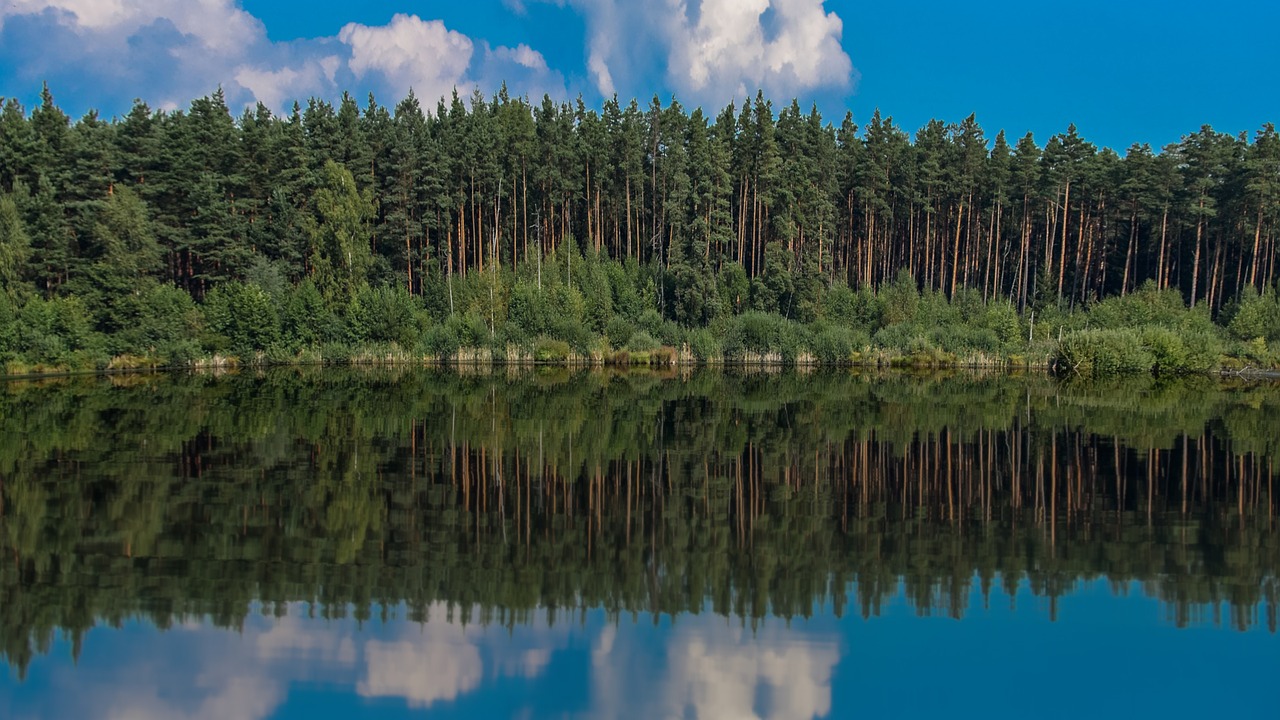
<point x="330" y="542"/>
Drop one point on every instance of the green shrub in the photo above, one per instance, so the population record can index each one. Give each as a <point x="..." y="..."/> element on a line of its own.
<point x="551" y="350"/>
<point x="1167" y="350"/>
<point x="959" y="338"/>
<point x="1256" y="316"/>
<point x="241" y="318"/>
<point x="896" y="337"/>
<point x="439" y="340"/>
<point x="1104" y="352"/>
<point x="1204" y="349"/>
<point x="618" y="330"/>
<point x="642" y="341"/>
<point x="833" y="344"/>
<point x="704" y="346"/>
<point x="385" y="315"/>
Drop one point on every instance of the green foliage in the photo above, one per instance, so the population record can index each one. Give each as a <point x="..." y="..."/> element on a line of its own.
<point x="58" y="331"/>
<point x="618" y="331"/>
<point x="734" y="288"/>
<point x="760" y="334"/>
<point x="14" y="247"/>
<point x="1002" y="319"/>
<point x="1104" y="352"/>
<point x="241" y="319"/>
<point x="385" y="315"/>
<point x="1147" y="306"/>
<point x="642" y="341"/>
<point x="163" y="322"/>
<point x="899" y="301"/>
<point x="835" y="344"/>
<point x="586" y="226"/>
<point x="1256" y="316"/>
<point x="551" y="350"/>
<point x="306" y="321"/>
<point x="858" y="309"/>
<point x="771" y="292"/>
<point x="339" y="235"/>
<point x="705" y="346"/>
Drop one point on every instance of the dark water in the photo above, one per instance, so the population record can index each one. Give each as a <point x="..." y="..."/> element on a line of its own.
<point x="338" y="543"/>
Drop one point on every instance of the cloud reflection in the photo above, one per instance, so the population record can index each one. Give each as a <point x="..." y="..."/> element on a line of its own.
<point x="702" y="667"/>
<point x="715" y="669"/>
<point x="421" y="673"/>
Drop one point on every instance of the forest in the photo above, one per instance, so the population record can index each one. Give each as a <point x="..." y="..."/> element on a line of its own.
<point x="373" y="492"/>
<point x="499" y="229"/>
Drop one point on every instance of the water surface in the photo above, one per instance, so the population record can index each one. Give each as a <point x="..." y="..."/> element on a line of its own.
<point x="335" y="542"/>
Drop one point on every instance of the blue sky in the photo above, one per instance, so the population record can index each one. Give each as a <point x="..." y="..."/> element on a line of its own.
<point x="1123" y="72"/>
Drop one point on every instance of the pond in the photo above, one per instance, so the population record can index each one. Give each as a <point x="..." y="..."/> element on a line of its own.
<point x="547" y="543"/>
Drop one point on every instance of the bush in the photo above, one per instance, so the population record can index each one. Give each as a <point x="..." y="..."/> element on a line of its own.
<point x="551" y="350"/>
<point x="642" y="341"/>
<point x="385" y="315"/>
<point x="833" y="344"/>
<point x="897" y="336"/>
<point x="1002" y="319"/>
<point x="618" y="331"/>
<point x="242" y="319"/>
<point x="1104" y="352"/>
<point x="966" y="338"/>
<point x="704" y="346"/>
<point x="528" y="308"/>
<point x="439" y="340"/>
<point x="1256" y="316"/>
<point x="1204" y="349"/>
<point x="1167" y="350"/>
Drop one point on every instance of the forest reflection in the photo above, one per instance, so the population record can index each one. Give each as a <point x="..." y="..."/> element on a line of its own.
<point x="511" y="495"/>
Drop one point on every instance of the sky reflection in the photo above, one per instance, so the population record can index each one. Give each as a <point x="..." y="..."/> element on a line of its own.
<point x="1120" y="649"/>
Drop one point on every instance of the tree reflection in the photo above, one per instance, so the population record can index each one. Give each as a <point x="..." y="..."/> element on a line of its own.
<point x="513" y="494"/>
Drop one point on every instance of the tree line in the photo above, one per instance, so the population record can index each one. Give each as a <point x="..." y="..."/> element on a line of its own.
<point x="185" y="233"/>
<point x="502" y="496"/>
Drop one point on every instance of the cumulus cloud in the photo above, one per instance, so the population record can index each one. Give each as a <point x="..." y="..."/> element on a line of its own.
<point x="219" y="25"/>
<point x="106" y="52"/>
<point x="410" y="53"/>
<point x="277" y="87"/>
<point x="167" y="51"/>
<point x="103" y="53"/>
<point x="715" y="50"/>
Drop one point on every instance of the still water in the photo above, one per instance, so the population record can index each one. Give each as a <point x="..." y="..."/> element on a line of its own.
<point x="313" y="543"/>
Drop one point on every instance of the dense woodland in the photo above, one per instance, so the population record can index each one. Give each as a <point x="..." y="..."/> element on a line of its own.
<point x="496" y="227"/>
<point x="505" y="494"/>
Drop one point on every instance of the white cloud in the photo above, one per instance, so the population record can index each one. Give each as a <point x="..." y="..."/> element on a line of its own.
<point x="522" y="55"/>
<point x="523" y="69"/>
<point x="714" y="50"/>
<point x="599" y="69"/>
<point x="410" y="53"/>
<point x="172" y="51"/>
<point x="278" y="87"/>
<point x="218" y="24"/>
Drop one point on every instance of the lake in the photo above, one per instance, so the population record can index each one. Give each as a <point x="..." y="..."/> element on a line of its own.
<point x="548" y="543"/>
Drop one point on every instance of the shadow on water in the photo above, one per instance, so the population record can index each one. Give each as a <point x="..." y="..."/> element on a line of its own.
<point x="510" y="493"/>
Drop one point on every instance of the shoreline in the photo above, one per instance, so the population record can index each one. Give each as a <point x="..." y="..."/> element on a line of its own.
<point x="765" y="362"/>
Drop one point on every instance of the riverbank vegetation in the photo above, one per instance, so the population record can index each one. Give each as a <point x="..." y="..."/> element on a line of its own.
<point x="503" y="230"/>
